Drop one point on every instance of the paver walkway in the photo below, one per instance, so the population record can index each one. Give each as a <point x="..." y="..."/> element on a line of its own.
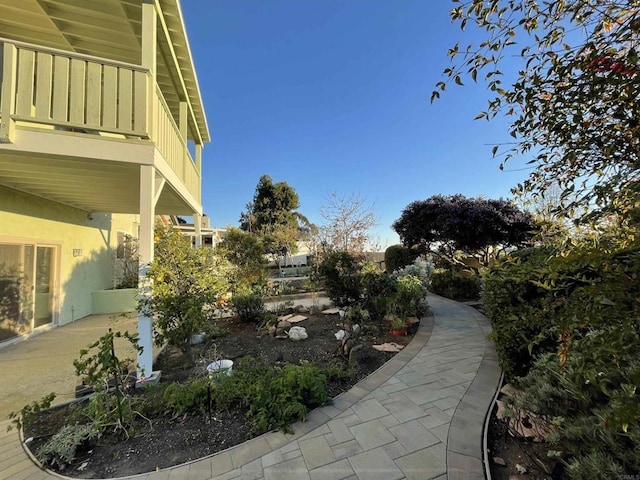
<point x="420" y="416"/>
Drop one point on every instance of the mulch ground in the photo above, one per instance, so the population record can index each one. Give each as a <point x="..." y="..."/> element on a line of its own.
<point x="171" y="441"/>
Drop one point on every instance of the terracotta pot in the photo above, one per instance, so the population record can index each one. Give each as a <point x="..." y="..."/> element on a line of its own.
<point x="399" y="333"/>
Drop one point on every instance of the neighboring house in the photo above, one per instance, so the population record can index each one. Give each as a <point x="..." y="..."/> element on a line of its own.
<point x="101" y="128"/>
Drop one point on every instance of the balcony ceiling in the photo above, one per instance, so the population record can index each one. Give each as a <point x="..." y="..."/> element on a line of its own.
<point x="112" y="29"/>
<point x="93" y="186"/>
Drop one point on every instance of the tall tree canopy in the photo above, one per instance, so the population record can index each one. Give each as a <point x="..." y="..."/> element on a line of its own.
<point x="246" y="252"/>
<point x="574" y="101"/>
<point x="446" y="224"/>
<point x="272" y="216"/>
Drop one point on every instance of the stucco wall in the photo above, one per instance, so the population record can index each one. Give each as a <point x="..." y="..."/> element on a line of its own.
<point x="26" y="218"/>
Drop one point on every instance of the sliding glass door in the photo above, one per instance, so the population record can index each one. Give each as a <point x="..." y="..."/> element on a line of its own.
<point x="27" y="287"/>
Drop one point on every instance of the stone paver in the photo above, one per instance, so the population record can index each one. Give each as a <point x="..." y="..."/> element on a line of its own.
<point x="420" y="416"/>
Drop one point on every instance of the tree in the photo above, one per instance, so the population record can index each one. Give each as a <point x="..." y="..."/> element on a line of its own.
<point x="444" y="225"/>
<point x="273" y="217"/>
<point x="185" y="284"/>
<point x="574" y="101"/>
<point x="349" y="221"/>
<point x="246" y="251"/>
<point x="399" y="256"/>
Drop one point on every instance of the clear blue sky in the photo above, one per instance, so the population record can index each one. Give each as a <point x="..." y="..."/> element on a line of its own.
<point x="333" y="95"/>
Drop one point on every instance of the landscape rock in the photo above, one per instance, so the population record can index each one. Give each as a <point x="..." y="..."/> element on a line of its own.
<point x="525" y="424"/>
<point x="284" y="325"/>
<point x="361" y="355"/>
<point x="391" y="347"/>
<point x="499" y="461"/>
<point x="330" y="311"/>
<point x="296" y="319"/>
<point x="298" y="333"/>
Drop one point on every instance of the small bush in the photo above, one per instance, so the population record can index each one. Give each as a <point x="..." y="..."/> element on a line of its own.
<point x="275" y="397"/>
<point x="410" y="301"/>
<point x="185" y="398"/>
<point x="379" y="291"/>
<point x="29" y="412"/>
<point x="398" y="256"/>
<point x="421" y="268"/>
<point x="61" y="449"/>
<point x="457" y="286"/>
<point x="248" y="305"/>
<point x="341" y="273"/>
<point x="356" y="314"/>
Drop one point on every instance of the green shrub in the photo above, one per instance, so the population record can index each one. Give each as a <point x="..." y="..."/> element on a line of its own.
<point x="184" y="283"/>
<point x="579" y="311"/>
<point x="189" y="397"/>
<point x="410" y="300"/>
<point x="61" y="449"/>
<point x="341" y="273"/>
<point x="457" y="286"/>
<point x="248" y="305"/>
<point x="356" y="314"/>
<point x="514" y="302"/>
<point x="398" y="256"/>
<point x="379" y="290"/>
<point x="275" y="397"/>
<point x="29" y="412"/>
<point x="421" y="267"/>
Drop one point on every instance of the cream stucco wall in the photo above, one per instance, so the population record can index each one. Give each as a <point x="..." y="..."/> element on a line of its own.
<point x="26" y="218"/>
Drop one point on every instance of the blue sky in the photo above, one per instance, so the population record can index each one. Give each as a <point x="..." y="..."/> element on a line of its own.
<point x="333" y="95"/>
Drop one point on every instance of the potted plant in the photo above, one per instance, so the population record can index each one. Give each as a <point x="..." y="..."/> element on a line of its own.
<point x="398" y="326"/>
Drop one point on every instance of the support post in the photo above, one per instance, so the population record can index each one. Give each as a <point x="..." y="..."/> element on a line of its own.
<point x="182" y="121"/>
<point x="145" y="252"/>
<point x="197" y="225"/>
<point x="149" y="36"/>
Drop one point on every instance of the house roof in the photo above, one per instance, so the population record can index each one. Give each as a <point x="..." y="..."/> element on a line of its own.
<point x="112" y="29"/>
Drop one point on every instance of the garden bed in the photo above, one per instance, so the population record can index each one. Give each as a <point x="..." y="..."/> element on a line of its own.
<point x="165" y="440"/>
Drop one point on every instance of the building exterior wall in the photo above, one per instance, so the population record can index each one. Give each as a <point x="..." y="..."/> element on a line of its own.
<point x="85" y="246"/>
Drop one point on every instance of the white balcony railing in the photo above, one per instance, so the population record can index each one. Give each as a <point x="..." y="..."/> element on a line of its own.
<point x="69" y="91"/>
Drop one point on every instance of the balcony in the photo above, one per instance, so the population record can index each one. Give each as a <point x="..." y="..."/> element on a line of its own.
<point x="75" y="128"/>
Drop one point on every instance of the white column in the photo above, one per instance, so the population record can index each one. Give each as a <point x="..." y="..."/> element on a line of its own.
<point x="197" y="224"/>
<point x="145" y="252"/>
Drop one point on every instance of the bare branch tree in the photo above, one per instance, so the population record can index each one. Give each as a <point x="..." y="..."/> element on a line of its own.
<point x="349" y="221"/>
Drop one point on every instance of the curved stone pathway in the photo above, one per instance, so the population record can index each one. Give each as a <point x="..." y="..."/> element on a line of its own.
<point x="420" y="416"/>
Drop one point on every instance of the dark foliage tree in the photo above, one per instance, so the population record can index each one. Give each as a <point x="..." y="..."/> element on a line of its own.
<point x="574" y="101"/>
<point x="444" y="225"/>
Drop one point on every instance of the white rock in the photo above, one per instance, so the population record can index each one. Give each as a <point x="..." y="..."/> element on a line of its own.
<point x="298" y="333"/>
